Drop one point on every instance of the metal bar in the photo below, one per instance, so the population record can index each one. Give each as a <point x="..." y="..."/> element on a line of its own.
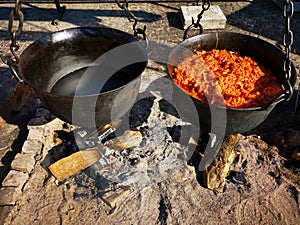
<point x="58" y="7"/>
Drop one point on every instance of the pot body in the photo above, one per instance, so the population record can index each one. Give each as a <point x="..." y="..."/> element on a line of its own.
<point x="238" y="120"/>
<point x="75" y="73"/>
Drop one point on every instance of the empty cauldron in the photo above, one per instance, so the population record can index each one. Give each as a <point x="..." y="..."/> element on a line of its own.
<point x="87" y="76"/>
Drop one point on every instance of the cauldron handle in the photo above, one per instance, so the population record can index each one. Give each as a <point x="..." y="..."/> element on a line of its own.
<point x="14" y="72"/>
<point x="281" y="97"/>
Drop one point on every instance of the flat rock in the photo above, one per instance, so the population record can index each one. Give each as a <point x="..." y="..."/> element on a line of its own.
<point x="15" y="179"/>
<point x="9" y="195"/>
<point x="23" y="162"/>
<point x="35" y="134"/>
<point x="113" y="197"/>
<point x="32" y="147"/>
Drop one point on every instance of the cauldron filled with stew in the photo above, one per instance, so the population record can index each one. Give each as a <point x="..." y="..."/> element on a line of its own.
<point x="253" y="69"/>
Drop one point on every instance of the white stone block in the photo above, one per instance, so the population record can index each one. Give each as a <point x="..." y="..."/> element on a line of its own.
<point x="33" y="147"/>
<point x="213" y="18"/>
<point x="35" y="134"/>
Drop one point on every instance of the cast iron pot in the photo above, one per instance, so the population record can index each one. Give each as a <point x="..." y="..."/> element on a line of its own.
<point x="238" y="120"/>
<point x="87" y="76"/>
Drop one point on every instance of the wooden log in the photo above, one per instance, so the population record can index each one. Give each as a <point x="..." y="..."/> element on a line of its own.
<point x="73" y="164"/>
<point x="215" y="174"/>
<point x="129" y="139"/>
<point x="16" y="99"/>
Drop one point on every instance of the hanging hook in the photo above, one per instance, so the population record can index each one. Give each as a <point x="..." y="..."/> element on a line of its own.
<point x="132" y="19"/>
<point x="205" y="6"/>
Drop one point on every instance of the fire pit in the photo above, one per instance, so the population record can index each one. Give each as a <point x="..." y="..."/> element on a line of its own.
<point x="259" y="187"/>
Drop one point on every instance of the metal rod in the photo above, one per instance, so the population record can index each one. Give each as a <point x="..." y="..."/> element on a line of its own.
<point x="60" y="10"/>
<point x="58" y="7"/>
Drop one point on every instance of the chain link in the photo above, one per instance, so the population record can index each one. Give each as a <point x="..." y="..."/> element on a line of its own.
<point x="16" y="12"/>
<point x="205" y="6"/>
<point x="137" y="31"/>
<point x="288" y="11"/>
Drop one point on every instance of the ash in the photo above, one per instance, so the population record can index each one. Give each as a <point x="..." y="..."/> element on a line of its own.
<point x="160" y="153"/>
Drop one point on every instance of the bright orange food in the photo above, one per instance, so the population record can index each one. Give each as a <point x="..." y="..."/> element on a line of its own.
<point x="225" y="77"/>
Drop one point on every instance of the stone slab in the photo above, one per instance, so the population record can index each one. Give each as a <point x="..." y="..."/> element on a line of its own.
<point x="23" y="162"/>
<point x="15" y="179"/>
<point x="33" y="147"/>
<point x="213" y="18"/>
<point x="35" y="134"/>
<point x="9" y="195"/>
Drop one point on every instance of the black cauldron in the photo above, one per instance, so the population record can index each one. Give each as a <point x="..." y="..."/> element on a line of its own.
<point x="87" y="76"/>
<point x="238" y="120"/>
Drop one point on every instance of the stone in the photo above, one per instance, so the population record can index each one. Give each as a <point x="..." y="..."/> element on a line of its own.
<point x="213" y="18"/>
<point x="23" y="162"/>
<point x="111" y="198"/>
<point x="32" y="147"/>
<point x="9" y="195"/>
<point x="35" y="134"/>
<point x="15" y="179"/>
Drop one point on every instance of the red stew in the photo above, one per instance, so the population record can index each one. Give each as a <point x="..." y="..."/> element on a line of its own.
<point x="225" y="77"/>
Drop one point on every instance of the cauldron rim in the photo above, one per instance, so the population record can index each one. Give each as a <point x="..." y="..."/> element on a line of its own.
<point x="48" y="38"/>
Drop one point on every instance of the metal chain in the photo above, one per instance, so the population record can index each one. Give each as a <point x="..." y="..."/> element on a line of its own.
<point x="16" y="12"/>
<point x="288" y="10"/>
<point x="205" y="6"/>
<point x="132" y="18"/>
